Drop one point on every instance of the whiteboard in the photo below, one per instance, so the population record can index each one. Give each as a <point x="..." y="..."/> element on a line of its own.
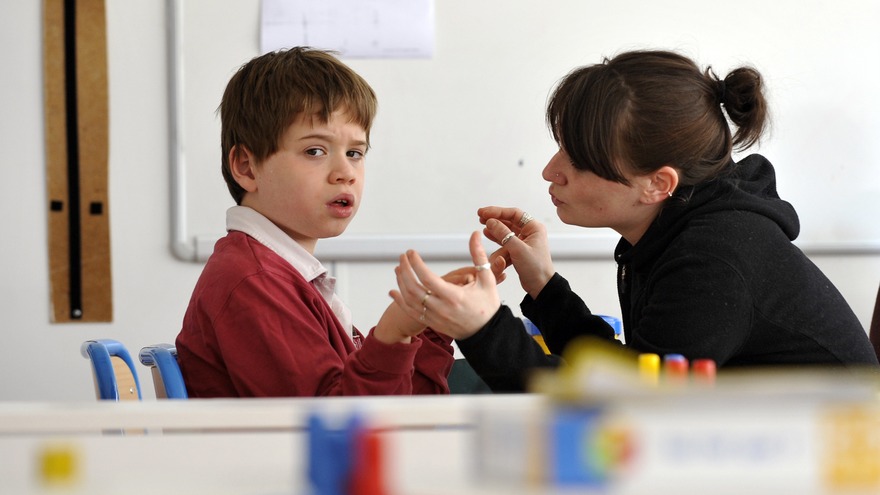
<point x="466" y="128"/>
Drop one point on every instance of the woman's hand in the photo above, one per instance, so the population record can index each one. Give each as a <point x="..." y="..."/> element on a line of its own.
<point x="527" y="249"/>
<point x="457" y="308"/>
<point x="396" y="326"/>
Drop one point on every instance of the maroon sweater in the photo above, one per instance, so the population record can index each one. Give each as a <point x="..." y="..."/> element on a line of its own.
<point x="256" y="328"/>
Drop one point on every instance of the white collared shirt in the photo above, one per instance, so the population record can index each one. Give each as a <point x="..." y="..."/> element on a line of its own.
<point x="254" y="224"/>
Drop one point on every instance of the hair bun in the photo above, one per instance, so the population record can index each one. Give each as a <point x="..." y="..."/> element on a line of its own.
<point x="720" y="90"/>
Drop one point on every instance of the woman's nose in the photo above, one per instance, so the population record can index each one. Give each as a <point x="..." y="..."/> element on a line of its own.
<point x="550" y="172"/>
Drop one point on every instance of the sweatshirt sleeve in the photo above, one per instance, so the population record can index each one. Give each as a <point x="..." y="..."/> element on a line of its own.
<point x="502" y="353"/>
<point x="380" y="369"/>
<point x="281" y="339"/>
<point x="562" y="315"/>
<point x="422" y="365"/>
<point x="432" y="363"/>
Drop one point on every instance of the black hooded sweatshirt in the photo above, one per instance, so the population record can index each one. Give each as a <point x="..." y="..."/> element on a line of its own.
<point x="715" y="276"/>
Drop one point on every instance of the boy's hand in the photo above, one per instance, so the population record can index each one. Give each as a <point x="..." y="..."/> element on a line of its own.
<point x="396" y="327"/>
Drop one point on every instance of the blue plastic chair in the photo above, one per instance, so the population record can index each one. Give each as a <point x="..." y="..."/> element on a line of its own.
<point x="874" y="330"/>
<point x="616" y="324"/>
<point x="167" y="379"/>
<point x="113" y="370"/>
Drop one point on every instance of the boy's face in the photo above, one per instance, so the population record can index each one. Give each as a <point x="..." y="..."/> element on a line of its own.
<point x="311" y="188"/>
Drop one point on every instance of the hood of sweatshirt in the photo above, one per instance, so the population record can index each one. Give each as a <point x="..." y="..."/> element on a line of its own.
<point x="747" y="185"/>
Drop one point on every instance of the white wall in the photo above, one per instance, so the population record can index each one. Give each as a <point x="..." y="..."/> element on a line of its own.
<point x="41" y="361"/>
<point x="470" y="120"/>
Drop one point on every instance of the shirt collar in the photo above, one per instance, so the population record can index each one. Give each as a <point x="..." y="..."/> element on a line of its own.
<point x="254" y="224"/>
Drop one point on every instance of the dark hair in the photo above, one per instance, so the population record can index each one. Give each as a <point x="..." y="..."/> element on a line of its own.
<point x="645" y="109"/>
<point x="268" y="93"/>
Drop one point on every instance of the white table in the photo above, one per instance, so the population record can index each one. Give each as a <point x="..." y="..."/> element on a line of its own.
<point x="240" y="446"/>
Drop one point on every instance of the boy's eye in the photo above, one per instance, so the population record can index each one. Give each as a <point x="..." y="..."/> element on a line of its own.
<point x="355" y="154"/>
<point x="315" y="152"/>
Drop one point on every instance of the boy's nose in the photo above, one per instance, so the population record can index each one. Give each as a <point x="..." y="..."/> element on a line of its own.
<point x="343" y="171"/>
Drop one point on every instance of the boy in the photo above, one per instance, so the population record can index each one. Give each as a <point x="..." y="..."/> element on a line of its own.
<point x="264" y="319"/>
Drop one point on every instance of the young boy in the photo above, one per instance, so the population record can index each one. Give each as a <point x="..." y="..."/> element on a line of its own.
<point x="264" y="319"/>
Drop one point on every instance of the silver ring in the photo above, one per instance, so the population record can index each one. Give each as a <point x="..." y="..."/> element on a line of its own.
<point x="484" y="266"/>
<point x="425" y="297"/>
<point x="507" y="238"/>
<point x="526" y="218"/>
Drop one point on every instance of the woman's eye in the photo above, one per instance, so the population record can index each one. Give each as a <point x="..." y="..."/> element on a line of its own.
<point x="355" y="154"/>
<point x="315" y="152"/>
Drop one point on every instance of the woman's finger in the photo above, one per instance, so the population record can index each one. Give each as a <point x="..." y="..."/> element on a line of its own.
<point x="428" y="279"/>
<point x="499" y="264"/>
<point x="501" y="233"/>
<point x="495" y="230"/>
<point x="504" y="214"/>
<point x="480" y="258"/>
<point x="411" y="289"/>
<point x="404" y="306"/>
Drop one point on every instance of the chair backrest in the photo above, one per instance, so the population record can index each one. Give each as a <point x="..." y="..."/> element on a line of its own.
<point x="874" y="332"/>
<point x="167" y="379"/>
<point x="112" y="369"/>
<point x="464" y="380"/>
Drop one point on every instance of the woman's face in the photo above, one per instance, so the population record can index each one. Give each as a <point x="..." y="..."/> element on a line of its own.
<point x="585" y="199"/>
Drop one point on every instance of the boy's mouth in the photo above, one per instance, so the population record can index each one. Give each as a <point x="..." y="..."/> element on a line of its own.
<point x="342" y="205"/>
<point x="342" y="201"/>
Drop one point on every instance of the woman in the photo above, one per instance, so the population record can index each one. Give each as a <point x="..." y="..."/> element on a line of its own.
<point x="706" y="267"/>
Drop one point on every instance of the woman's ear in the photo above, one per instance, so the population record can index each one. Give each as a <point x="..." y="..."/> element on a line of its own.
<point x="663" y="182"/>
<point x="242" y="165"/>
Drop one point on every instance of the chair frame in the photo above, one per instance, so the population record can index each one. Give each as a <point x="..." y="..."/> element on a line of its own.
<point x="874" y="330"/>
<point x="167" y="379"/>
<point x="105" y="356"/>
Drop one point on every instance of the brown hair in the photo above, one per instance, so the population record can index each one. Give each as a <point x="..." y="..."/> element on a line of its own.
<point x="646" y="109"/>
<point x="269" y="92"/>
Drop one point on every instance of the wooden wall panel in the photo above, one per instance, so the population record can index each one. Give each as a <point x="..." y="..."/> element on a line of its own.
<point x="75" y="43"/>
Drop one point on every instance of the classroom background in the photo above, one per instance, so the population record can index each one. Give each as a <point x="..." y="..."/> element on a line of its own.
<point x="456" y="131"/>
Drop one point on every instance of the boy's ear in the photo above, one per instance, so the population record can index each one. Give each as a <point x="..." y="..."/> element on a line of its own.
<point x="242" y="165"/>
<point x="663" y="182"/>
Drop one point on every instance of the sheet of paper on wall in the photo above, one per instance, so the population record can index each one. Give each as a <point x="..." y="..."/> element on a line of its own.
<point x="352" y="28"/>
